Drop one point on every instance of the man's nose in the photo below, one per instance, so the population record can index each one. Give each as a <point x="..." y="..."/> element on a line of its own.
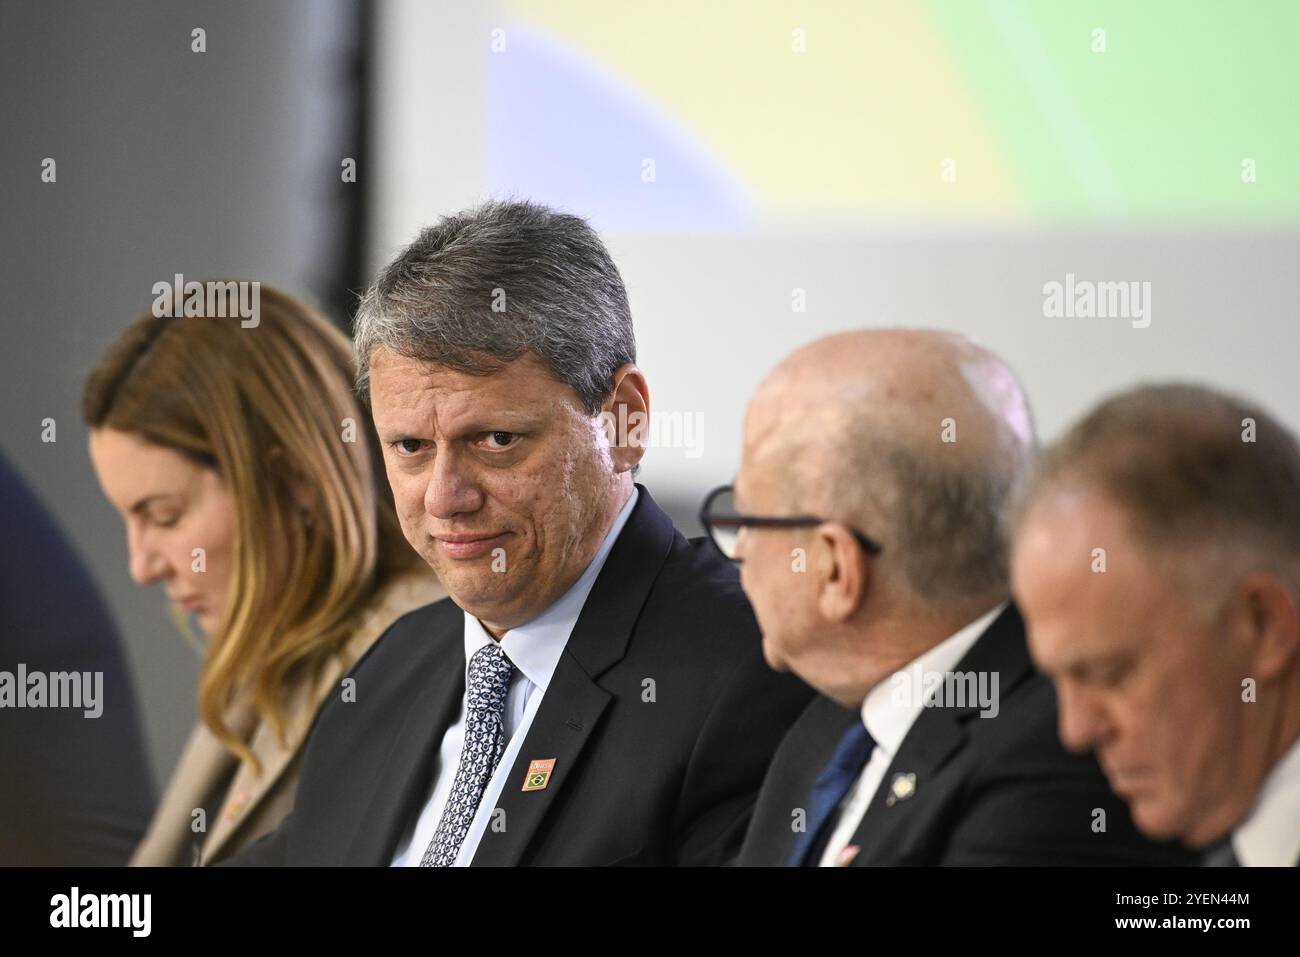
<point x="453" y="488"/>
<point x="1079" y="719"/>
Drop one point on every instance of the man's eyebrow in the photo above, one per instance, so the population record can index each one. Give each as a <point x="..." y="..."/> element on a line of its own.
<point x="478" y="422"/>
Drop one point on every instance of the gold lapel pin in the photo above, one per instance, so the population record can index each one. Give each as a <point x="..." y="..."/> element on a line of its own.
<point x="902" y="787"/>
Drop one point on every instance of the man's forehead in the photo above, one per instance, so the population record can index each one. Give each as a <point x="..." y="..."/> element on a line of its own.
<point x="1063" y="568"/>
<point x="759" y="460"/>
<point x="386" y="364"/>
<point x="1075" y="652"/>
<point x="1069" y="518"/>
<point x="391" y="373"/>
<point x="407" y="393"/>
<point x="1084" y="603"/>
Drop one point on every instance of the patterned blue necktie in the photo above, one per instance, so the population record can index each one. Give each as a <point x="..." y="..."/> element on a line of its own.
<point x="832" y="784"/>
<point x="488" y="682"/>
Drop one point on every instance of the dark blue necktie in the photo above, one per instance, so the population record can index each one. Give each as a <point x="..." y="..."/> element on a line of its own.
<point x="832" y="784"/>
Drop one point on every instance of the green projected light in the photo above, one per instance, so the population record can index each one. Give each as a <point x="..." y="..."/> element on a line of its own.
<point x="953" y="110"/>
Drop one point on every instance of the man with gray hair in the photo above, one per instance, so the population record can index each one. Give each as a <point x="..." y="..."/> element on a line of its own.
<point x="593" y="691"/>
<point x="868" y="511"/>
<point x="1158" y="564"/>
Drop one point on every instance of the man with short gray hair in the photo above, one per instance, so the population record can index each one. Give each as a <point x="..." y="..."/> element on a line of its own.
<point x="1158" y="564"/>
<point x="593" y="691"/>
<point x="869" y="516"/>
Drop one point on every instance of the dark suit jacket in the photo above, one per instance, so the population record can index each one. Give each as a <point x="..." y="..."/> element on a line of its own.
<point x="74" y="791"/>
<point x="670" y="780"/>
<point x="998" y="790"/>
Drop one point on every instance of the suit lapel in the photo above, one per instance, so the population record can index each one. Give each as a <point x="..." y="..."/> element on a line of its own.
<point x="935" y="737"/>
<point x="559" y="732"/>
<point x="803" y="755"/>
<point x="200" y="773"/>
<point x="410" y="764"/>
<point x="248" y="790"/>
<point x="574" y="702"/>
<point x="940" y="733"/>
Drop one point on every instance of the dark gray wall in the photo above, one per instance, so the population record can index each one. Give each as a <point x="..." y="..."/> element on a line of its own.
<point x="217" y="163"/>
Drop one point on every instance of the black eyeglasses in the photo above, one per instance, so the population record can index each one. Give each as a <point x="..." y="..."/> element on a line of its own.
<point x="723" y="523"/>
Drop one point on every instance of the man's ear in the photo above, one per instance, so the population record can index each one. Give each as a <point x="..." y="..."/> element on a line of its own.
<point x="626" y="416"/>
<point x="1266" y="609"/>
<point x="844" y="572"/>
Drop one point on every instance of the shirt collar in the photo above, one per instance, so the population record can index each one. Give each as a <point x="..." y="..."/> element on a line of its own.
<point x="535" y="648"/>
<point x="887" y="718"/>
<point x="1270" y="836"/>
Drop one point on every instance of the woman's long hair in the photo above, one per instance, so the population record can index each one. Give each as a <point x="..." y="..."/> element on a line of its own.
<point x="270" y="408"/>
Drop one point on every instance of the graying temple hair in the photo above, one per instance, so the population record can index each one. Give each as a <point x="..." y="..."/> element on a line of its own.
<point x="944" y="525"/>
<point x="487" y="285"/>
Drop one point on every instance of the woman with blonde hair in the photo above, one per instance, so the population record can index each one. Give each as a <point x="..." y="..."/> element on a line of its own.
<point x="252" y="487"/>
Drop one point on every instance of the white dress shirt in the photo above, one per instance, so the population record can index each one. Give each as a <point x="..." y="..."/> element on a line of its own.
<point x="887" y="721"/>
<point x="1270" y="835"/>
<point x="534" y="649"/>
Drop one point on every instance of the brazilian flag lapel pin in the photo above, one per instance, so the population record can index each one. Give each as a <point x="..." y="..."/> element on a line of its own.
<point x="539" y="774"/>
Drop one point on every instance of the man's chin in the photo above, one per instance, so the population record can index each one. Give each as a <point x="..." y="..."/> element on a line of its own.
<point x="1156" y="819"/>
<point x="773" y="657"/>
<point x="481" y="599"/>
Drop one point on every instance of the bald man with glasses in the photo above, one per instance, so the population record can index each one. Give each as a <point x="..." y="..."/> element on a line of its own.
<point x="867" y="519"/>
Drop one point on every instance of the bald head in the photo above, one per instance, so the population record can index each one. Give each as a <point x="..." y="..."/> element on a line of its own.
<point x="919" y="438"/>
<point x="898" y="382"/>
